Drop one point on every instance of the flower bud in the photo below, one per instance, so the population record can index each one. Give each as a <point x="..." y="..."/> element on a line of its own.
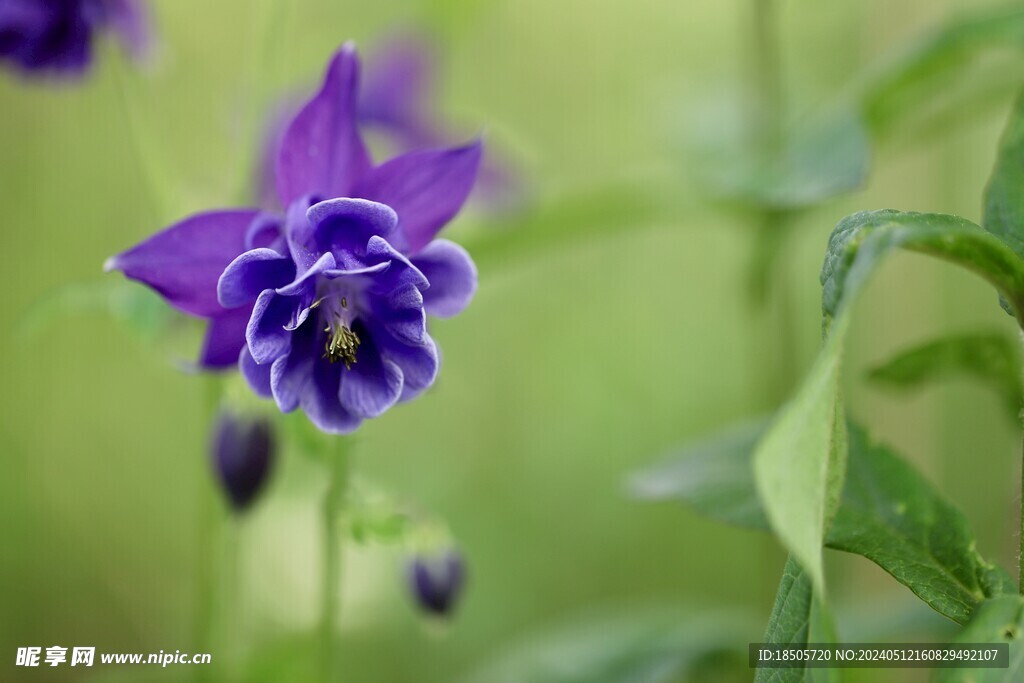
<point x="243" y="450"/>
<point x="436" y="581"/>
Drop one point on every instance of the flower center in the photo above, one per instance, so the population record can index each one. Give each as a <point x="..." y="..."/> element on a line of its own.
<point x="342" y="345"/>
<point x="338" y="312"/>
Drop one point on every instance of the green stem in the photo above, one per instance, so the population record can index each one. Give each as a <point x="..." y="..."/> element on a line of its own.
<point x="333" y="505"/>
<point x="1020" y="539"/>
<point x="206" y="531"/>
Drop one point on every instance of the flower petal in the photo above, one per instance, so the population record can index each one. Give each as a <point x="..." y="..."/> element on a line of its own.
<point x="419" y="362"/>
<point x="184" y="262"/>
<point x="320" y="400"/>
<point x="452" y="276"/>
<point x="266" y="334"/>
<point x="373" y="384"/>
<point x="225" y="337"/>
<point x="251" y="273"/>
<point x="397" y="90"/>
<point x="291" y="375"/>
<point x="425" y="188"/>
<point x="321" y="151"/>
<point x="401" y="313"/>
<point x="346" y="225"/>
<point x="257" y="376"/>
<point x="306" y="280"/>
<point x="130" y="20"/>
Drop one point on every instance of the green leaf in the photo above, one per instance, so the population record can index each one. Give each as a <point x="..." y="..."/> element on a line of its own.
<point x="860" y="241"/>
<point x="797" y="618"/>
<point x="652" y="645"/>
<point x="892" y="516"/>
<point x="991" y="357"/>
<point x="999" y="620"/>
<point x="799" y="464"/>
<point x="888" y="513"/>
<point x="714" y="477"/>
<point x="140" y="309"/>
<point x="822" y="155"/>
<point x="926" y="76"/>
<point x="1004" y="200"/>
<point x="565" y="221"/>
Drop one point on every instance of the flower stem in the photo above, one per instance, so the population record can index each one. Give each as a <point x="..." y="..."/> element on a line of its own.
<point x="333" y="504"/>
<point x="206" y="532"/>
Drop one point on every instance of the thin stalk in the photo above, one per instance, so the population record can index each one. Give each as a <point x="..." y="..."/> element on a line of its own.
<point x="333" y="505"/>
<point x="206" y="532"/>
<point x="1020" y="540"/>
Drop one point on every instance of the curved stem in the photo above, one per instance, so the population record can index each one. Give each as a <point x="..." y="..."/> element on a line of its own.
<point x="333" y="505"/>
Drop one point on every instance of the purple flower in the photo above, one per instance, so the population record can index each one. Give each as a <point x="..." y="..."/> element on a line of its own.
<point x="436" y="581"/>
<point x="55" y="36"/>
<point x="324" y="307"/>
<point x="243" y="451"/>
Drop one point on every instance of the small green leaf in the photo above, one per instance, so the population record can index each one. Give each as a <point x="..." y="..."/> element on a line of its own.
<point x="797" y="618"/>
<point x="140" y="309"/>
<point x="652" y="645"/>
<point x="924" y="76"/>
<point x="888" y="513"/>
<point x="799" y="464"/>
<point x="991" y="357"/>
<point x="999" y="620"/>
<point x="1004" y="200"/>
<point x="714" y="477"/>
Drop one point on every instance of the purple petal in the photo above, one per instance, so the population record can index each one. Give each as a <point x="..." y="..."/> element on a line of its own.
<point x="419" y="362"/>
<point x="225" y="337"/>
<point x="348" y="224"/>
<point x="320" y="400"/>
<point x="291" y="375"/>
<point x="251" y="273"/>
<point x="306" y="280"/>
<point x="397" y="88"/>
<point x="452" y="276"/>
<point x="266" y="231"/>
<point x="401" y="272"/>
<point x="401" y="314"/>
<point x="257" y="376"/>
<point x="322" y="152"/>
<point x="130" y="20"/>
<point x="425" y="188"/>
<point x="266" y="333"/>
<point x="373" y="384"/>
<point x="184" y="262"/>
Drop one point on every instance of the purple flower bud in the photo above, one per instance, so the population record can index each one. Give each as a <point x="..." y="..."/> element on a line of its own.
<point x="243" y="450"/>
<point x="436" y="582"/>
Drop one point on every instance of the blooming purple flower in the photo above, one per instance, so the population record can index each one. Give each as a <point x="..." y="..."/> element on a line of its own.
<point x="436" y="581"/>
<point x="243" y="451"/>
<point x="324" y="307"/>
<point x="56" y="35"/>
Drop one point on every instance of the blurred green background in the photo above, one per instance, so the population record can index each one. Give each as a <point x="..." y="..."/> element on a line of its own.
<point x="580" y="360"/>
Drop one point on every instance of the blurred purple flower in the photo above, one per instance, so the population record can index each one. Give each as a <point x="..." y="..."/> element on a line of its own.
<point x="56" y="36"/>
<point x="324" y="307"/>
<point x="436" y="581"/>
<point x="243" y="450"/>
<point x="396" y="103"/>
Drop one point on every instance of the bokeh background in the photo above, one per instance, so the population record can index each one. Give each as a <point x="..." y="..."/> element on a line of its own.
<point x="612" y="324"/>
